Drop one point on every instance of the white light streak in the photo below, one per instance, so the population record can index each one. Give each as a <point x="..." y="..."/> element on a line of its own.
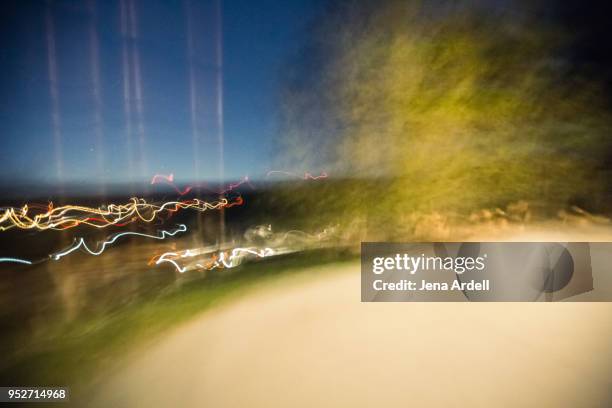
<point x="80" y="243"/>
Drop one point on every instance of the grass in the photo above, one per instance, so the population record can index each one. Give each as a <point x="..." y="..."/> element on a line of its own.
<point x="79" y="353"/>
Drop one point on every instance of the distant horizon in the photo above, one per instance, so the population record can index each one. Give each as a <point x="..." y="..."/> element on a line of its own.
<point x="31" y="188"/>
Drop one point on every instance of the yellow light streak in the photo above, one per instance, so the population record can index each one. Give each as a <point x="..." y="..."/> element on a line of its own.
<point x="70" y="216"/>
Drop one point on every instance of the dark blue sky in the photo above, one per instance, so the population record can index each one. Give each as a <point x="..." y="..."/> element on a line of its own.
<point x="63" y="68"/>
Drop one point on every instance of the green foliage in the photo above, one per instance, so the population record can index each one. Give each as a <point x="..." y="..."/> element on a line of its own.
<point x="460" y="109"/>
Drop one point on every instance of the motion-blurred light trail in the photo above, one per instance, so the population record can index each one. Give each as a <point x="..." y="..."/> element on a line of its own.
<point x="169" y="179"/>
<point x="127" y="87"/>
<point x="94" y="57"/>
<point x="70" y="216"/>
<point x="230" y="261"/>
<point x="80" y="243"/>
<point x="162" y="177"/>
<point x="16" y="260"/>
<point x="54" y="91"/>
<point x="274" y="244"/>
<point x="306" y="176"/>
<point x="223" y="259"/>
<point x="101" y="247"/>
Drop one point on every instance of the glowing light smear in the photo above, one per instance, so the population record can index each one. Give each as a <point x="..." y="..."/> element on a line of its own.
<point x="220" y="122"/>
<point x="169" y="179"/>
<point x="210" y="257"/>
<point x="193" y="96"/>
<point x="16" y="260"/>
<point x="223" y="259"/>
<point x="94" y="56"/>
<point x="163" y="178"/>
<point x="80" y="243"/>
<point x="306" y="176"/>
<point x="138" y="93"/>
<point x="127" y="87"/>
<point x="70" y="216"/>
<point x="54" y="91"/>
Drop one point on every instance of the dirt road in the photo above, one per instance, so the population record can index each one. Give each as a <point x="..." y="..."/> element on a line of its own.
<point x="311" y="342"/>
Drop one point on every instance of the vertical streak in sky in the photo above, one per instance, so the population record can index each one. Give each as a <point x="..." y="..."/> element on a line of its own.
<point x="220" y="125"/>
<point x="54" y="93"/>
<point x="138" y="89"/>
<point x="94" y="55"/>
<point x="127" y="86"/>
<point x="193" y="97"/>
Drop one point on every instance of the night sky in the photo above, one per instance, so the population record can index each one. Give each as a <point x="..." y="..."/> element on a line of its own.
<point x="68" y="114"/>
<point x="108" y="137"/>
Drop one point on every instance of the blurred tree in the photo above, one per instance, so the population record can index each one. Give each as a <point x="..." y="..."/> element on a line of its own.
<point x="452" y="106"/>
